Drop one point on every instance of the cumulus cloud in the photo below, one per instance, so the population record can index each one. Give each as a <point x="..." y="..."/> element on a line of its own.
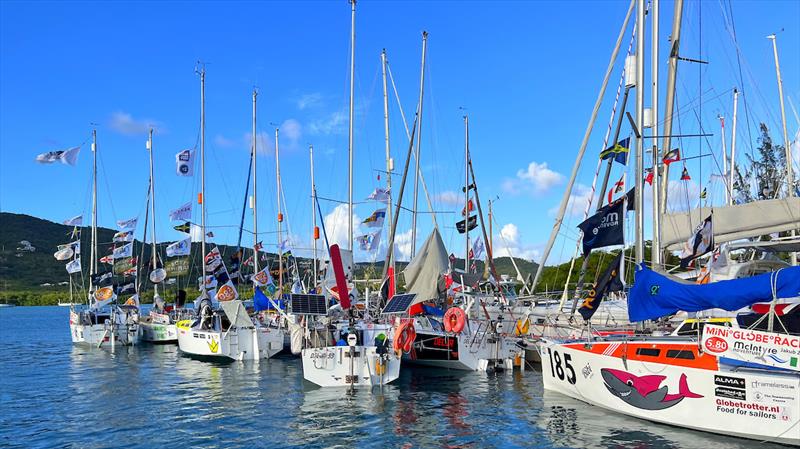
<point x="402" y="245"/>
<point x="336" y="225"/>
<point x="578" y="199"/>
<point x="124" y="123"/>
<point x="508" y="242"/>
<point x="536" y="179"/>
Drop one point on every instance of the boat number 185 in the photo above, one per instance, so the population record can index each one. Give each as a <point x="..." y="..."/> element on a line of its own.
<point x="556" y="368"/>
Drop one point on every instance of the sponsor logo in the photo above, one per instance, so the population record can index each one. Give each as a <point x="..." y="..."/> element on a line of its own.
<point x="716" y="344"/>
<point x="586" y="371"/>
<point x="213" y="346"/>
<point x="762" y="384"/>
<point x="730" y="393"/>
<point x="226" y="293"/>
<point x="734" y="382"/>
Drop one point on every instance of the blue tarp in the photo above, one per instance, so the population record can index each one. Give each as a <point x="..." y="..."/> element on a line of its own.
<point x="261" y="302"/>
<point x="654" y="295"/>
<point x="430" y="310"/>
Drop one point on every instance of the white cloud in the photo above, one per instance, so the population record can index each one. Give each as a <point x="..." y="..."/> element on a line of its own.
<point x="578" y="199"/>
<point x="336" y="225"/>
<point x="402" y="245"/>
<point x="309" y="100"/>
<point x="681" y="196"/>
<point x="291" y="131"/>
<point x="449" y="197"/>
<point x="536" y="179"/>
<point x="224" y="142"/>
<point x="508" y="242"/>
<point x="334" y="123"/>
<point x="124" y="123"/>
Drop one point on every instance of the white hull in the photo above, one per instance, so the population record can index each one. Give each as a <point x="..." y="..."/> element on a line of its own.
<point x="690" y="391"/>
<point x="85" y="333"/>
<point x="333" y="366"/>
<point x="235" y="344"/>
<point x="158" y="333"/>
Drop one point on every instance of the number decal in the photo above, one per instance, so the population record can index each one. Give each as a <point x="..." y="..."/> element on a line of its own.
<point x="557" y="370"/>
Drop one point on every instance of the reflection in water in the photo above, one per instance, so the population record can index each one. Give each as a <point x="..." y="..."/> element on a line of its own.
<point x="58" y="395"/>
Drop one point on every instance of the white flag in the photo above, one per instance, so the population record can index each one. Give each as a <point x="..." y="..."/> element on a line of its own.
<point x="122" y="251"/>
<point x="369" y="242"/>
<point x="74" y="266"/>
<point x="123" y="236"/>
<point x="128" y="224"/>
<point x="69" y="157"/>
<point x="74" y="221"/>
<point x="379" y="195"/>
<point x="184" y="163"/>
<point x="211" y="282"/>
<point x="285" y="246"/>
<point x="103" y="296"/>
<point x="182" y="213"/>
<point x="179" y="248"/>
<point x="477" y="249"/>
<point x="262" y="278"/>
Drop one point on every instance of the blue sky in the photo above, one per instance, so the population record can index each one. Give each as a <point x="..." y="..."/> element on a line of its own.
<point x="526" y="72"/>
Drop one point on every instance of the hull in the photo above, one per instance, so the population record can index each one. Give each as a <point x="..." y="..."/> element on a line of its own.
<point x="467" y="351"/>
<point x="235" y="344"/>
<point x="670" y="382"/>
<point x="92" y="333"/>
<point x="158" y="333"/>
<point x="343" y="366"/>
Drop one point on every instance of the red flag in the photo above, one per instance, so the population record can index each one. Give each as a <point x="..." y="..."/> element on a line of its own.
<point x="258" y="246"/>
<point x="672" y="156"/>
<point x="648" y="178"/>
<point x="616" y="188"/>
<point x="469" y="207"/>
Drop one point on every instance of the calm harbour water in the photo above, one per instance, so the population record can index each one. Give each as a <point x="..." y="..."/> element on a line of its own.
<point x="55" y="395"/>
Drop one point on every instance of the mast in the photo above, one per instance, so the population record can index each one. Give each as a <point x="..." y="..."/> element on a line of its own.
<point x="255" y="192"/>
<point x="672" y="74"/>
<point x="203" y="174"/>
<point x="733" y="146"/>
<point x="389" y="162"/>
<point x="786" y="144"/>
<point x="419" y="133"/>
<point x="466" y="193"/>
<point x="280" y="214"/>
<point x="562" y="208"/>
<point x="639" y="226"/>
<point x="93" y="262"/>
<point x="315" y="235"/>
<point x="655" y="252"/>
<point x="152" y="209"/>
<point x="725" y="161"/>
<point x="350" y="126"/>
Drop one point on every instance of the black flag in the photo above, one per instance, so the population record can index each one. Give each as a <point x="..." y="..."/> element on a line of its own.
<point x="473" y="223"/>
<point x="605" y="228"/>
<point x="608" y="282"/>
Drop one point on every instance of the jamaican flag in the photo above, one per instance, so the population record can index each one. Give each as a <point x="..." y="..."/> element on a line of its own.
<point x="185" y="228"/>
<point x="618" y="152"/>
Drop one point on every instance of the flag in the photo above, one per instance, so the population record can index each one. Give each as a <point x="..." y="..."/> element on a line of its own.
<point x="128" y="224"/>
<point x="473" y="223"/>
<point x="69" y="157"/>
<point x="74" y="221"/>
<point x="619" y="151"/>
<point x="185" y="228"/>
<point x="260" y="301"/>
<point x="180" y="248"/>
<point x="685" y="175"/>
<point x="477" y="249"/>
<point x="123" y="236"/>
<point x="74" y="266"/>
<point x="703" y="194"/>
<point x="210" y="283"/>
<point x="74" y="247"/>
<point x="609" y="282"/>
<point x="213" y="260"/>
<point x="672" y="156"/>
<point x="103" y="296"/>
<point x="605" y="228"/>
<point x="125" y="289"/>
<point x="369" y="242"/>
<point x="130" y="272"/>
<point x="376" y="219"/>
<point x="132" y="301"/>
<point x="379" y="195"/>
<point x="616" y="188"/>
<point x="452" y="259"/>
<point x="107" y="259"/>
<point x="210" y="234"/>
<point x="468" y="208"/>
<point x="248" y="262"/>
<point x="284" y="246"/>
<point x="648" y="175"/>
<point x="74" y="232"/>
<point x="122" y="251"/>
<point x="258" y="246"/>
<point x="701" y="242"/>
<point x="184" y="212"/>
<point x="227" y="292"/>
<point x="184" y="163"/>
<point x="101" y="279"/>
<point x="262" y="278"/>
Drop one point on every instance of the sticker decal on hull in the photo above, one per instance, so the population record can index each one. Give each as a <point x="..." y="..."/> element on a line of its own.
<point x="644" y="392"/>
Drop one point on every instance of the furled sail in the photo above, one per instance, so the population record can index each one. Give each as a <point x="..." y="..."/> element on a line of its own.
<point x="422" y="273"/>
<point x="733" y="222"/>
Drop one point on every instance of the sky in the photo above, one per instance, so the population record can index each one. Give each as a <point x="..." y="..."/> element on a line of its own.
<point x="526" y="73"/>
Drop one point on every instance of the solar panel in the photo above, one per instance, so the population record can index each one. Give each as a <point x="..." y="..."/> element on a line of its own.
<point x="309" y="304"/>
<point x="399" y="303"/>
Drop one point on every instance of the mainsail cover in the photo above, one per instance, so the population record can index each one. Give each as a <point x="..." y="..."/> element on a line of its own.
<point x="422" y="273"/>
<point x="654" y="295"/>
<point x="733" y="222"/>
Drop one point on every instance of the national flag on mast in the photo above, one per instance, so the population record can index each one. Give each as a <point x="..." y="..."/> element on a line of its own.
<point x="468" y="208"/>
<point x="185" y="227"/>
<point x="376" y="219"/>
<point x="685" y="175"/>
<point x="703" y="194"/>
<point x="69" y="157"/>
<point x="648" y="175"/>
<point x="616" y="188"/>
<point x="672" y="156"/>
<point x="618" y="151"/>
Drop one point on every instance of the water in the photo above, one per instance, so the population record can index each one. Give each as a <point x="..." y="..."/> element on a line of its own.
<point x="54" y="394"/>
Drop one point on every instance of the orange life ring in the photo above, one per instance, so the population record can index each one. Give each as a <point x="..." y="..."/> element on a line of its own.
<point x="404" y="336"/>
<point x="455" y="319"/>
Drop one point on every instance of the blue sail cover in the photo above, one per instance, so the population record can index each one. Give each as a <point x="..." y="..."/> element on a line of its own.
<point x="654" y="295"/>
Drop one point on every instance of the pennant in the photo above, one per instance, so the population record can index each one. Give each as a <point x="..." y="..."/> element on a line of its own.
<point x="616" y="188"/>
<point x="369" y="242"/>
<point x="605" y="228"/>
<point x="185" y="228"/>
<point x="122" y="251"/>
<point x="619" y="152"/>
<point x="262" y="278"/>
<point x="609" y="282"/>
<point x="376" y="219"/>
<point x="180" y="248"/>
<point x="672" y="156"/>
<point x="701" y="242"/>
<point x="473" y="223"/>
<point x="379" y="195"/>
<point x="74" y="266"/>
<point x="74" y="221"/>
<point x="128" y="224"/>
<point x="704" y="194"/>
<point x="648" y="175"/>
<point x="184" y="163"/>
<point x="685" y="175"/>
<point x="184" y="212"/>
<point x="468" y="208"/>
<point x="69" y="157"/>
<point x="123" y="236"/>
<point x="477" y="249"/>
